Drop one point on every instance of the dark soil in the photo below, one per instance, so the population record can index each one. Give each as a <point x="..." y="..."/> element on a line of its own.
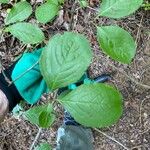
<point x="133" y="129"/>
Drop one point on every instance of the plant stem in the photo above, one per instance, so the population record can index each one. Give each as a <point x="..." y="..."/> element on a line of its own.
<point x="36" y="138"/>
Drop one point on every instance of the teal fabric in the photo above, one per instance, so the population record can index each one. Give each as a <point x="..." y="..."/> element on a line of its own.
<point x="85" y="80"/>
<point x="72" y="86"/>
<point x="31" y="85"/>
<point x="88" y="81"/>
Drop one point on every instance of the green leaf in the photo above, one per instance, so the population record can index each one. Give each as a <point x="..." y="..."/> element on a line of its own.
<point x="46" y="117"/>
<point x="119" y="8"/>
<point x="4" y="1"/>
<point x="57" y="2"/>
<point x="83" y="3"/>
<point x="46" y="12"/>
<point x="26" y="32"/>
<point x="65" y="59"/>
<point x="117" y="43"/>
<point x="43" y="146"/>
<point x="34" y="114"/>
<point x="19" y="12"/>
<point x="94" y="105"/>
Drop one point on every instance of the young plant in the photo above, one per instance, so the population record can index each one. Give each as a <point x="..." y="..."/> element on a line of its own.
<point x="64" y="61"/>
<point x="67" y="56"/>
<point x="19" y="12"/>
<point x="26" y="32"/>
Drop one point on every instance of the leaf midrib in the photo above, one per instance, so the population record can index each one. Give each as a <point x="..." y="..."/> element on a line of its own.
<point x="110" y="7"/>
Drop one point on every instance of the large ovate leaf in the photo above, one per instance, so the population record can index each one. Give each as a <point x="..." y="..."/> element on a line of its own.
<point x="94" y="105"/>
<point x="119" y="8"/>
<point x="26" y="32"/>
<point x="19" y="12"/>
<point x="65" y="59"/>
<point x="43" y="146"/>
<point x="46" y="12"/>
<point x="4" y="1"/>
<point x="117" y="43"/>
<point x="38" y="114"/>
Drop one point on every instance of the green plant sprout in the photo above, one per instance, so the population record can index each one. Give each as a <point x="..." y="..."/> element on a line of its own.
<point x="67" y="56"/>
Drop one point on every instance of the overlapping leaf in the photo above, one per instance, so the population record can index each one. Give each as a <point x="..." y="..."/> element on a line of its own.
<point x="41" y="116"/>
<point x="65" y="59"/>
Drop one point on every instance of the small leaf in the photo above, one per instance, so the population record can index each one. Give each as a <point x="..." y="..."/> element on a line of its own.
<point x="26" y="32"/>
<point x="33" y="114"/>
<point x="43" y="146"/>
<point x="46" y="119"/>
<point x="46" y="12"/>
<point x="94" y="105"/>
<point x="4" y="1"/>
<point x="19" y="12"/>
<point x="119" y="8"/>
<point x="117" y="43"/>
<point x="65" y="59"/>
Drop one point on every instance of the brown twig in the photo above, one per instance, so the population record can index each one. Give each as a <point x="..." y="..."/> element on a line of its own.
<point x="111" y="138"/>
<point x="131" y="78"/>
<point x="2" y="69"/>
<point x="36" y="138"/>
<point x="138" y="32"/>
<point x="127" y="76"/>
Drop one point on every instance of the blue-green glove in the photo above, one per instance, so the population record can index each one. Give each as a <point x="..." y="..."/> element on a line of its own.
<point x="31" y="85"/>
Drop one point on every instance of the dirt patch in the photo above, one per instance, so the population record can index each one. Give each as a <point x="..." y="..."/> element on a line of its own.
<point x="133" y="129"/>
